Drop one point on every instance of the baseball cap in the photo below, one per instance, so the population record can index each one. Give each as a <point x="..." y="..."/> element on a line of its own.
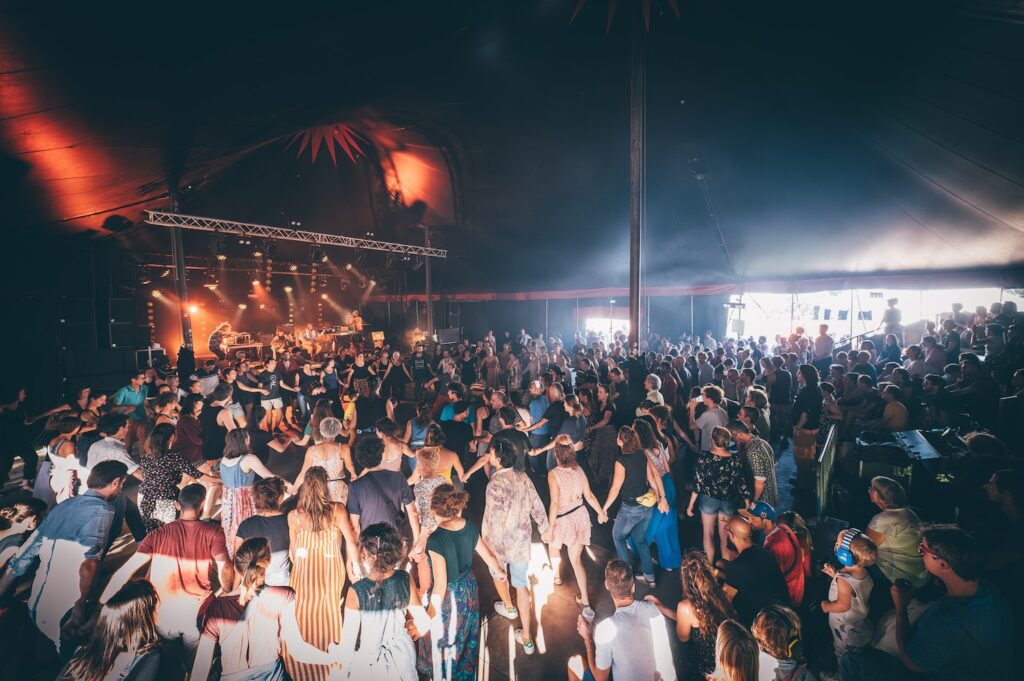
<point x="762" y="510"/>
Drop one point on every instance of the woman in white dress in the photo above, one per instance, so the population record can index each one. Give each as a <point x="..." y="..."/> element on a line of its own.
<point x="334" y="457"/>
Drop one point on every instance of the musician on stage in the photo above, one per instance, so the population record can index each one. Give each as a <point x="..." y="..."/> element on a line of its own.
<point x="218" y="341"/>
<point x="281" y="342"/>
<point x="308" y="340"/>
<point x="357" y="321"/>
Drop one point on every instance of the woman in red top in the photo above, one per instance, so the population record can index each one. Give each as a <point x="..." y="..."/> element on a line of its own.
<point x="188" y="435"/>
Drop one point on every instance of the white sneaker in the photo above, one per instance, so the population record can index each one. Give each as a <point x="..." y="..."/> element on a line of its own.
<point x="500" y="608"/>
<point x="529" y="647"/>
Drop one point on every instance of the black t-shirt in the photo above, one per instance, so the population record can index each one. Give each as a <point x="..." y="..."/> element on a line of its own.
<point x="368" y="410"/>
<point x="808" y="401"/>
<point x="271" y="382"/>
<point x="457" y="436"/>
<point x="635" y="483"/>
<point x="519" y="440"/>
<point x="420" y="366"/>
<point x="758" y="581"/>
<point x="275" y="529"/>
<point x="12" y="426"/>
<point x="307" y="382"/>
<point x="555" y="414"/>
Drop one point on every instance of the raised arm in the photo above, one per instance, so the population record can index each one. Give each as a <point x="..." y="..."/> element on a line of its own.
<point x="123" y="574"/>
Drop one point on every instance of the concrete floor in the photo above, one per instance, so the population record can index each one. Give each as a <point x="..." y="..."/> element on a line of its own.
<point x="501" y="658"/>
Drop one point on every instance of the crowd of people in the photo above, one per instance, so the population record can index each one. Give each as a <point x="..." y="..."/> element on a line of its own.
<point x="362" y="565"/>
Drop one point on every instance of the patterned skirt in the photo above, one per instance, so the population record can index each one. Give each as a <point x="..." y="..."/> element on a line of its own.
<point x="450" y="651"/>
<point x="236" y="505"/>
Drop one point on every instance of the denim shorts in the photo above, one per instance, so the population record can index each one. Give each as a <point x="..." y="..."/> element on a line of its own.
<point x="518" y="575"/>
<point x="711" y="506"/>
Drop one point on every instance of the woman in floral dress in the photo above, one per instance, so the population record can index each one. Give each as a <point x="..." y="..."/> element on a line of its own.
<point x="568" y="519"/>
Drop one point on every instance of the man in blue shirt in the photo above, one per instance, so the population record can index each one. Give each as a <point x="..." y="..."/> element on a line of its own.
<point x="540" y="435"/>
<point x="967" y="634"/>
<point x="70" y="544"/>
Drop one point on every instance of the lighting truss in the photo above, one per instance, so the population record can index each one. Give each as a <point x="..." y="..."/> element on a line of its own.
<point x="246" y="229"/>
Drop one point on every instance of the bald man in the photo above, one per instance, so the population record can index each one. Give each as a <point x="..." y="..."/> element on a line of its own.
<point x="753" y="579"/>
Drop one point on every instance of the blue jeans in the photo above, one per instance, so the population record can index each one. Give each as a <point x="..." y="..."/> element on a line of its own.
<point x="303" y="405"/>
<point x="631" y="523"/>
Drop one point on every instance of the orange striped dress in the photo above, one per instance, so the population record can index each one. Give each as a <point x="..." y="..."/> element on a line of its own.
<point x="318" y="576"/>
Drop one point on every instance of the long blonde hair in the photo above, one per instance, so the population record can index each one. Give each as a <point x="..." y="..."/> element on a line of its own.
<point x="125" y="625"/>
<point x="251" y="561"/>
<point x="314" y="500"/>
<point x="736" y="653"/>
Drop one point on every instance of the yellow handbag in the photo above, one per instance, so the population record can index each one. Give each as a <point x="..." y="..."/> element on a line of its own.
<point x="648" y="498"/>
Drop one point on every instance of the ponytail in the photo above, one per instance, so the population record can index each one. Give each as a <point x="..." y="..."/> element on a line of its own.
<point x="251" y="561"/>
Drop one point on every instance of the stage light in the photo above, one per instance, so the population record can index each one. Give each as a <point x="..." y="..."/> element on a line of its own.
<point x="287" y="289"/>
<point x="373" y="282"/>
<point x="257" y="252"/>
<point x="166" y="273"/>
<point x="324" y="296"/>
<point x="242" y="306"/>
<point x="293" y="268"/>
<point x="217" y="246"/>
<point x="192" y="309"/>
<point x="156" y="294"/>
<point x="255" y="282"/>
<point x="212" y="286"/>
<point x="262" y="306"/>
<point x="318" y="255"/>
<point x="348" y="266"/>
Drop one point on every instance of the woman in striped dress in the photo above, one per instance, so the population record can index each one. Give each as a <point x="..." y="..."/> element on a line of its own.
<point x="315" y="530"/>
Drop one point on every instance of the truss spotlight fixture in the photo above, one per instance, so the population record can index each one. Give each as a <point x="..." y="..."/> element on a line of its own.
<point x="192" y="309"/>
<point x="287" y="289"/>
<point x="166" y="273"/>
<point x="157" y="294"/>
<point x="242" y="306"/>
<point x="293" y="268"/>
<point x="348" y="266"/>
<point x="257" y="252"/>
<point x="255" y="282"/>
<point x="373" y="282"/>
<point x="324" y="296"/>
<point x="217" y="246"/>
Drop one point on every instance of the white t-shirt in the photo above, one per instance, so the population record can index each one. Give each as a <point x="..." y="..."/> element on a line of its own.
<point x="634" y="644"/>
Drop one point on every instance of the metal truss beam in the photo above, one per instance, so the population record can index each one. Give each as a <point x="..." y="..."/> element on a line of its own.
<point x="205" y="224"/>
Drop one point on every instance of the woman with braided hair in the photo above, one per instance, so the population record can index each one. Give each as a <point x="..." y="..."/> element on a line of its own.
<point x="377" y="608"/>
<point x="252" y="624"/>
<point x="703" y="608"/>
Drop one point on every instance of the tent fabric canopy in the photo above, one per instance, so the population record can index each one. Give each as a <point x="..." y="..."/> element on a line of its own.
<point x="867" y="140"/>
